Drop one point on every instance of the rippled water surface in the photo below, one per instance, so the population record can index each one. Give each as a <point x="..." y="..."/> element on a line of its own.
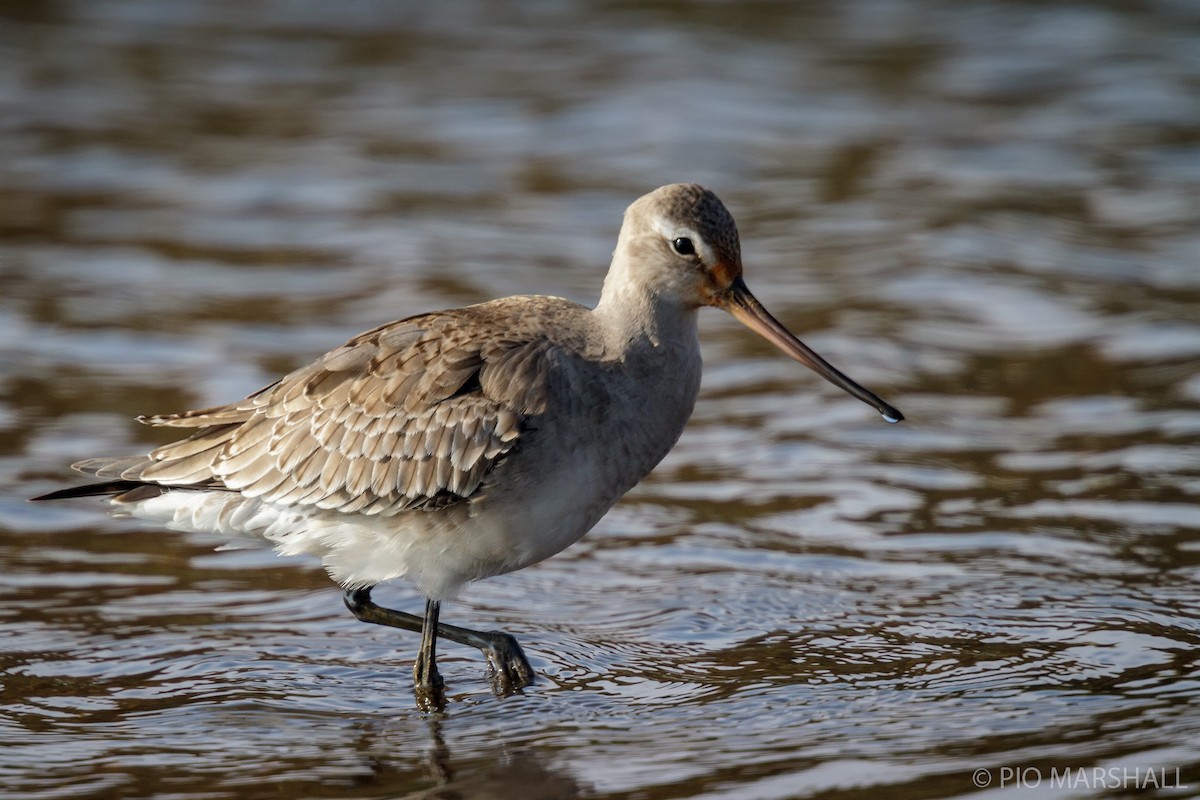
<point x="987" y="212"/>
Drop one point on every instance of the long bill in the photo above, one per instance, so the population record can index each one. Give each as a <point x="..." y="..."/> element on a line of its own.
<point x="747" y="310"/>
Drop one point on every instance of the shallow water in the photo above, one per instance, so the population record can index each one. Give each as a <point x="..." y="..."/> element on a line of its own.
<point x="985" y="212"/>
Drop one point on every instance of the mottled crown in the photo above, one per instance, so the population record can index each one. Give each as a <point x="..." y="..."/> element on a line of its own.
<point x="701" y="209"/>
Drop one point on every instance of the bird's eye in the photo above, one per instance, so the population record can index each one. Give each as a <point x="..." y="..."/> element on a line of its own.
<point x="684" y="246"/>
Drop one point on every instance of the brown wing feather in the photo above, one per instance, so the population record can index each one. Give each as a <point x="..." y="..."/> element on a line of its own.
<point x="414" y="414"/>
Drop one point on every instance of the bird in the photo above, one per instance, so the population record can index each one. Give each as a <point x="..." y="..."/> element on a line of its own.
<point x="454" y="446"/>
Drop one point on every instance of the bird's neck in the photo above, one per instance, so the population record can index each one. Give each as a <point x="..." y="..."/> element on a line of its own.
<point x="634" y="317"/>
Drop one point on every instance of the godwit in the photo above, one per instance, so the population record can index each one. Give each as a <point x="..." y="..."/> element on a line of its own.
<point x="462" y="444"/>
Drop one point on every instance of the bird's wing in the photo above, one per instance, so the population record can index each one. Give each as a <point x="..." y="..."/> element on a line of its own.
<point x="410" y="415"/>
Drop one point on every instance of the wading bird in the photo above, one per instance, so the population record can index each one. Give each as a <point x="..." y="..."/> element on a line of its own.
<point x="457" y="445"/>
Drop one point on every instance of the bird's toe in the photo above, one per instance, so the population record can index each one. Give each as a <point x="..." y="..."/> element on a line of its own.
<point x="508" y="667"/>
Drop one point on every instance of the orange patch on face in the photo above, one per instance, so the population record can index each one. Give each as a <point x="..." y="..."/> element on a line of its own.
<point x="722" y="275"/>
<point x="725" y="274"/>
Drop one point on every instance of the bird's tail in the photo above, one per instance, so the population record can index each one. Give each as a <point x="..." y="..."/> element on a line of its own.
<point x="123" y="491"/>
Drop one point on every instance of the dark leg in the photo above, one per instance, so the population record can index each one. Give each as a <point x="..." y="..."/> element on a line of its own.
<point x="427" y="683"/>
<point x="508" y="668"/>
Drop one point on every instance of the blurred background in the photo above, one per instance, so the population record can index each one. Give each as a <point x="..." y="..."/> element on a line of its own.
<point x="988" y="212"/>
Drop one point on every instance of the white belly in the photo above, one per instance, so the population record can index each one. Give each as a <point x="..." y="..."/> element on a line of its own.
<point x="439" y="551"/>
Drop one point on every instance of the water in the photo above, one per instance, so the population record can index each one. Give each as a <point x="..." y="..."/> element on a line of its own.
<point x="984" y="212"/>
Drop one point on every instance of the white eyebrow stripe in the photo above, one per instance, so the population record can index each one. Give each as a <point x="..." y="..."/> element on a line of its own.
<point x="707" y="257"/>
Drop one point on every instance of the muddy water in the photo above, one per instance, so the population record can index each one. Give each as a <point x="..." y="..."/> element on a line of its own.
<point x="987" y="212"/>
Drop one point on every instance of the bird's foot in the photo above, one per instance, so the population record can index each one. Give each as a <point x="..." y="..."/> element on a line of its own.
<point x="508" y="669"/>
<point x="428" y="686"/>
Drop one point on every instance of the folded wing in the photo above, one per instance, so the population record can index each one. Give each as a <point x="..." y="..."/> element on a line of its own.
<point x="411" y="415"/>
